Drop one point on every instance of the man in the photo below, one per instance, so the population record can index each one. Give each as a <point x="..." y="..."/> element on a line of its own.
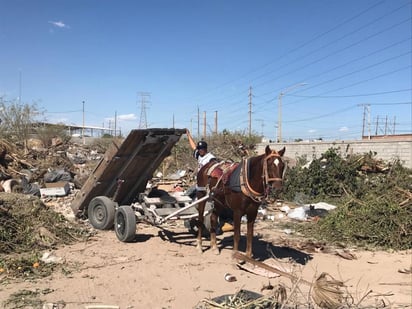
<point x="203" y="157"/>
<point x="200" y="151"/>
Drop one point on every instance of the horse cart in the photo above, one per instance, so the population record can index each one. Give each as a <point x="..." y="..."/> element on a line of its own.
<point x="116" y="194"/>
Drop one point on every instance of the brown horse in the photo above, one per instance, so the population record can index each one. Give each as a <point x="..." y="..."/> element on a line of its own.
<point x="241" y="187"/>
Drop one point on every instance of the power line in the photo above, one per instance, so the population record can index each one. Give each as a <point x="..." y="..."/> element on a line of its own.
<point x="305" y="44"/>
<point x="331" y="43"/>
<point x="64" y="112"/>
<point x="360" y="82"/>
<point x="350" y="96"/>
<point x="357" y="71"/>
<point x="304" y="66"/>
<point x="232" y="100"/>
<point x="323" y="115"/>
<point x="361" y="41"/>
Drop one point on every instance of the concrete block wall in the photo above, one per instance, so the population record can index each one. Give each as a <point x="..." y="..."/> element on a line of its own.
<point x="387" y="150"/>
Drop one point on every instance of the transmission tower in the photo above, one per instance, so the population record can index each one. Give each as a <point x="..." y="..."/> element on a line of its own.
<point x="385" y="126"/>
<point x="144" y="100"/>
<point x="366" y="118"/>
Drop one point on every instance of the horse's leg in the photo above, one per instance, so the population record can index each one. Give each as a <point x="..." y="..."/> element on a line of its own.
<point x="237" y="216"/>
<point x="251" y="218"/>
<point x="213" y="227"/>
<point x="201" y="210"/>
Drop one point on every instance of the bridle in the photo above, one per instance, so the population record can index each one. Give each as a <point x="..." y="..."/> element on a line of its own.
<point x="244" y="181"/>
<point x="266" y="179"/>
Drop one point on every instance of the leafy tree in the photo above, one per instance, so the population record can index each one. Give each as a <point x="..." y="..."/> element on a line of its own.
<point x="17" y="119"/>
<point x="46" y="133"/>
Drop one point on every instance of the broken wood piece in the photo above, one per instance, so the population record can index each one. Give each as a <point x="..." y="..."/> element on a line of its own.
<point x="346" y="254"/>
<point x="101" y="307"/>
<point x="326" y="291"/>
<point x="264" y="272"/>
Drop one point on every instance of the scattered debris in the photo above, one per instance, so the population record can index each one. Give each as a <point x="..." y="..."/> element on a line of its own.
<point x="405" y="270"/>
<point x="59" y="188"/>
<point x="242" y="299"/>
<point x="258" y="270"/>
<point x="230" y="277"/>
<point x="346" y="254"/>
<point x="48" y="257"/>
<point x="327" y="293"/>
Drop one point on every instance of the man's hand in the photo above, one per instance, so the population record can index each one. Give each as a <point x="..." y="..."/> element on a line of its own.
<point x="190" y="138"/>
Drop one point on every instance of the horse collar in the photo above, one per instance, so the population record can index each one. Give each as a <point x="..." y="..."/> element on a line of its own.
<point x="245" y="185"/>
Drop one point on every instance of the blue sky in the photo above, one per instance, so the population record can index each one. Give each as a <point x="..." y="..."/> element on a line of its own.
<point x="331" y="62"/>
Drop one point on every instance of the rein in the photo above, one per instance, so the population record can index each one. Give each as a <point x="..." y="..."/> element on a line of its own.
<point x="244" y="180"/>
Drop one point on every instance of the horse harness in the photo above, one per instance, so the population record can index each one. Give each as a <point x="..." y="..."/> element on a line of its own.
<point x="223" y="171"/>
<point x="244" y="179"/>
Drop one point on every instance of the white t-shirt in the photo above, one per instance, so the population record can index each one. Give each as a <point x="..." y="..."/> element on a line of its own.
<point x="203" y="160"/>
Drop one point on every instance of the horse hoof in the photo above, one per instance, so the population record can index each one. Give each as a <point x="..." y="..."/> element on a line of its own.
<point x="216" y="251"/>
<point x="199" y="250"/>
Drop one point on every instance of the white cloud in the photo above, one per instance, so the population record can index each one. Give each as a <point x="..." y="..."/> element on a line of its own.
<point x="127" y="117"/>
<point x="61" y="120"/>
<point x="343" y="129"/>
<point x="59" y="24"/>
<point x="312" y="131"/>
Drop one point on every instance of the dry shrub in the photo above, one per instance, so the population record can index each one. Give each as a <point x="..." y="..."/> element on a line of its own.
<point x="27" y="225"/>
<point x="374" y="199"/>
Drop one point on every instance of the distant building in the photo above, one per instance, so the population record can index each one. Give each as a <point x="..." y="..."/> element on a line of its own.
<point x="80" y="131"/>
<point x="398" y="137"/>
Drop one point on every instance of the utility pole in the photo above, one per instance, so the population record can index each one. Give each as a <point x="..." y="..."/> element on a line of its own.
<point x="198" y="123"/>
<point x="215" y="122"/>
<point x="204" y="125"/>
<point x="84" y="141"/>
<point x="115" y="123"/>
<point x="281" y="94"/>
<point x="262" y="124"/>
<point x="386" y="125"/>
<point x="377" y="125"/>
<point x="250" y="111"/>
<point x="19" y="87"/>
<point x="394" y="124"/>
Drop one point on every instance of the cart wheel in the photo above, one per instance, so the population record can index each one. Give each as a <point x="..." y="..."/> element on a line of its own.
<point x="125" y="223"/>
<point x="101" y="212"/>
<point x="193" y="229"/>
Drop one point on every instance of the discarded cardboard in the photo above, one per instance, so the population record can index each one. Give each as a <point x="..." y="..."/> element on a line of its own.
<point x="60" y="188"/>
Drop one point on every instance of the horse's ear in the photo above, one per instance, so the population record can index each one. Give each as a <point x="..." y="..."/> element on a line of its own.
<point x="282" y="151"/>
<point x="267" y="150"/>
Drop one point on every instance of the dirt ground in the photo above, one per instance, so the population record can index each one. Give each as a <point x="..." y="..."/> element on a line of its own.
<point x="162" y="269"/>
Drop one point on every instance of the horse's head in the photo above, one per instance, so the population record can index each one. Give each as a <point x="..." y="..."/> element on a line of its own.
<point x="274" y="168"/>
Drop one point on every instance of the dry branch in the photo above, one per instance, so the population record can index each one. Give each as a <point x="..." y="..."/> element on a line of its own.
<point x="326" y="292"/>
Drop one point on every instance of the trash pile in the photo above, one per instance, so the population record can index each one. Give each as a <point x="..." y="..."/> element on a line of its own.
<point x="29" y="170"/>
<point x="29" y="225"/>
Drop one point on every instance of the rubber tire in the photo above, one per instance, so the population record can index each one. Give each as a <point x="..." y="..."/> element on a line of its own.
<point x="125" y="224"/>
<point x="101" y="213"/>
<point x="192" y="226"/>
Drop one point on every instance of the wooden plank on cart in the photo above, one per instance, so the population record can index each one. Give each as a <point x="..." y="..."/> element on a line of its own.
<point x="131" y="162"/>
